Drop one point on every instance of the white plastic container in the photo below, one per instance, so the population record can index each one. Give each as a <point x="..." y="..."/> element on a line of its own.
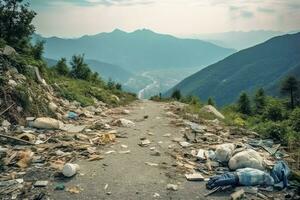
<point x="70" y="169"/>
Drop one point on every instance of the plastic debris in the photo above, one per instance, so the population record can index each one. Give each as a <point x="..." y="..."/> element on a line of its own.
<point x="224" y="152"/>
<point x="248" y="158"/>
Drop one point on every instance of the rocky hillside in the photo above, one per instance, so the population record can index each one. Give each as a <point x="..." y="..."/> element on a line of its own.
<point x="29" y="88"/>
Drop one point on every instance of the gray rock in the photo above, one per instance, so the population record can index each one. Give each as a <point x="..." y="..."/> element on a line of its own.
<point x="8" y="51"/>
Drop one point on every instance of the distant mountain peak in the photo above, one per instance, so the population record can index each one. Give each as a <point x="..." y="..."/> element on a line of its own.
<point x="118" y="31"/>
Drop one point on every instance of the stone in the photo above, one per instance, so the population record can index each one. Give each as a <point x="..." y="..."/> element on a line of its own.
<point x="12" y="83"/>
<point x="6" y="123"/>
<point x="9" y="51"/>
<point x="52" y="106"/>
<point x="212" y="110"/>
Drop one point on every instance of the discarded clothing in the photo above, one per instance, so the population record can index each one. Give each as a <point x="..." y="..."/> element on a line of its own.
<point x="222" y="180"/>
<point x="243" y="177"/>
<point x="252" y="177"/>
<point x="280" y="173"/>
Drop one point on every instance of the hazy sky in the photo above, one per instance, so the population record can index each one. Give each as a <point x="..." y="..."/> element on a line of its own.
<point x="73" y="18"/>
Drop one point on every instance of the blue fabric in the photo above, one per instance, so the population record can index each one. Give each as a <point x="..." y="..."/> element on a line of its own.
<point x="280" y="173"/>
<point x="222" y="180"/>
<point x="252" y="177"/>
<point x="72" y="115"/>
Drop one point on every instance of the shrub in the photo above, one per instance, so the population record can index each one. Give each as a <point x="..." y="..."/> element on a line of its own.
<point x="295" y="119"/>
<point x="274" y="112"/>
<point x="274" y="130"/>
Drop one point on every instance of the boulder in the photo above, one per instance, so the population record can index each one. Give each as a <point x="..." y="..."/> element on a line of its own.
<point x="248" y="158"/>
<point x="224" y="152"/>
<point x="52" y="106"/>
<point x="8" y="51"/>
<point x="212" y="110"/>
<point x="46" y="123"/>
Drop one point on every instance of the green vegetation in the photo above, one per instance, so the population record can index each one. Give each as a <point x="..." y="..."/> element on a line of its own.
<point x="176" y="95"/>
<point x="15" y="23"/>
<point x="270" y="117"/>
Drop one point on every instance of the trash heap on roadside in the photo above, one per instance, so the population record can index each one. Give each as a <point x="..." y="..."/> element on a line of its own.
<point x="229" y="158"/>
<point x="45" y="149"/>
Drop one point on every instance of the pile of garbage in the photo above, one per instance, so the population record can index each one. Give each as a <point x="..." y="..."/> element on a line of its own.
<point x="229" y="157"/>
<point x="44" y="149"/>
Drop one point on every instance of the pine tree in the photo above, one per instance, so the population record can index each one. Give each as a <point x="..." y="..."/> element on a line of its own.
<point x="62" y="68"/>
<point x="80" y="69"/>
<point x="290" y="86"/>
<point x="176" y="94"/>
<point x="244" y="105"/>
<point x="210" y="101"/>
<point x="260" y="101"/>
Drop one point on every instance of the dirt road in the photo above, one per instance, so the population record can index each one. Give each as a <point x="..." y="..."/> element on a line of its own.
<point x="126" y="176"/>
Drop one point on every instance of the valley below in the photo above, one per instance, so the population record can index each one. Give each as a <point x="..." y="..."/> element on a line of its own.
<point x="153" y="82"/>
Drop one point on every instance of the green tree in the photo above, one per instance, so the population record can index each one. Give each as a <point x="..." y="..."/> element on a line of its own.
<point x="38" y="50"/>
<point x="244" y="105"/>
<point x="119" y="86"/>
<point x="62" y="68"/>
<point x="260" y="101"/>
<point x="290" y="86"/>
<point x="295" y="119"/>
<point x="176" y="94"/>
<point x="80" y="69"/>
<point x="211" y="102"/>
<point x="15" y="22"/>
<point x="111" y="84"/>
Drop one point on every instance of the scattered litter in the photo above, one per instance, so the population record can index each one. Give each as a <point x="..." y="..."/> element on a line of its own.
<point x="41" y="183"/>
<point x="70" y="169"/>
<point x="167" y="135"/>
<point x="247" y="158"/>
<point x="123" y="122"/>
<point x="59" y="186"/>
<point x="73" y="189"/>
<point x="238" y="195"/>
<point x="194" y="177"/>
<point x="172" y="187"/>
<point x="224" y="152"/>
<point x="151" y="164"/>
<point x="145" y="142"/>
<point x="124" y="146"/>
<point x="110" y="152"/>
<point x="156" y="195"/>
<point x="185" y="144"/>
<point x="124" y="152"/>
<point x="46" y="123"/>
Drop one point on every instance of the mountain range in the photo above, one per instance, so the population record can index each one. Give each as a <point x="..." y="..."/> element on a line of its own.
<point x="238" y="39"/>
<point x="137" y="51"/>
<point x="264" y="65"/>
